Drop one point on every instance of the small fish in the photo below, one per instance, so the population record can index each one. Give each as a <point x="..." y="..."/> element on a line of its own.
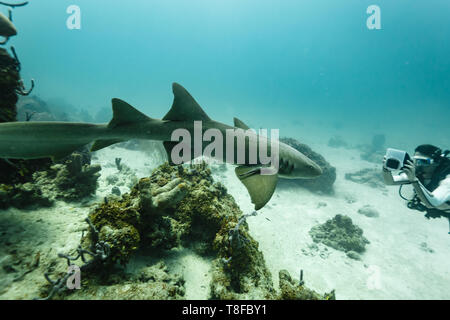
<point x="7" y="29"/>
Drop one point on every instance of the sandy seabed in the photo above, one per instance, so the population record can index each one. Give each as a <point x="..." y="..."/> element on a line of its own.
<point x="407" y="257"/>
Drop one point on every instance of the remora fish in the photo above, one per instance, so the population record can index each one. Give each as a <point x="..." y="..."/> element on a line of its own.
<point x="31" y="140"/>
<point x="7" y="28"/>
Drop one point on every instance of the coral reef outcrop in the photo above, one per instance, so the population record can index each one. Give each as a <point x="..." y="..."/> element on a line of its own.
<point x="14" y="171"/>
<point x="290" y="290"/>
<point x="341" y="234"/>
<point x="337" y="142"/>
<point x="177" y="207"/>
<point x="155" y="282"/>
<point x="9" y="84"/>
<point x="368" y="176"/>
<point x="374" y="151"/>
<point x="72" y="180"/>
<point x="369" y="211"/>
<point x="183" y="206"/>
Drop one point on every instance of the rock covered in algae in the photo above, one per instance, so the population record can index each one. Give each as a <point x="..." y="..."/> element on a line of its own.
<point x="28" y="183"/>
<point x="240" y="273"/>
<point x="14" y="171"/>
<point x="22" y="196"/>
<point x="174" y="206"/>
<point x="369" y="211"/>
<point x="9" y="84"/>
<point x="71" y="181"/>
<point x="291" y="290"/>
<point x="325" y="182"/>
<point x="149" y="283"/>
<point x="341" y="234"/>
<point x="183" y="206"/>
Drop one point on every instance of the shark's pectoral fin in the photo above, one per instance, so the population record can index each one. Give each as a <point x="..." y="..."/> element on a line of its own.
<point x="100" y="144"/>
<point x="260" y="187"/>
<point x="240" y="124"/>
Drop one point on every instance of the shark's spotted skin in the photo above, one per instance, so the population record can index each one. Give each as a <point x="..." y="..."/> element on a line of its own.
<point x="31" y="140"/>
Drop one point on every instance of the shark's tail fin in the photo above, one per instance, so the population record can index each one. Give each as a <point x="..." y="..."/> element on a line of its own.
<point x="123" y="114"/>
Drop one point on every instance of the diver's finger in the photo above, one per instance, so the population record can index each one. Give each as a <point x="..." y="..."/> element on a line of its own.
<point x="410" y="165"/>
<point x="408" y="169"/>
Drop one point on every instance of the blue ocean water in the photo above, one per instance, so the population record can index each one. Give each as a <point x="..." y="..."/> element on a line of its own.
<point x="276" y="64"/>
<point x="311" y="68"/>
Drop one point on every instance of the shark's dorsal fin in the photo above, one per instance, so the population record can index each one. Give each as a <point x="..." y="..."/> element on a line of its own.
<point x="124" y="113"/>
<point x="184" y="107"/>
<point x="260" y="187"/>
<point x="240" y="124"/>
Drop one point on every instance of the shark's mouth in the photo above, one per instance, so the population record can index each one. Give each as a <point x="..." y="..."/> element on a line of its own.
<point x="286" y="167"/>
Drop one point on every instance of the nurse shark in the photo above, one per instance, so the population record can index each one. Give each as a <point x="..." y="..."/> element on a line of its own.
<point x="56" y="140"/>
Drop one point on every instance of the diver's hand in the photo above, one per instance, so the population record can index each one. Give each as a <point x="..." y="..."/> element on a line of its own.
<point x="410" y="171"/>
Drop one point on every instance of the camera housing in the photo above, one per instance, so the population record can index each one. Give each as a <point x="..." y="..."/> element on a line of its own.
<point x="396" y="159"/>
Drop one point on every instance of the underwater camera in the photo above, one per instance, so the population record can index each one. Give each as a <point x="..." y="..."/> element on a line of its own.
<point x="396" y="159"/>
